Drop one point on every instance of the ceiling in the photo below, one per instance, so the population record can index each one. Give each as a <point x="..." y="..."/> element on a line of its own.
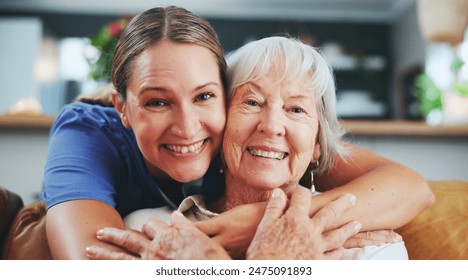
<point x="325" y="10"/>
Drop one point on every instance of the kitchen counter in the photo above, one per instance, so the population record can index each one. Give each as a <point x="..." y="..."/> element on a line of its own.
<point x="396" y="128"/>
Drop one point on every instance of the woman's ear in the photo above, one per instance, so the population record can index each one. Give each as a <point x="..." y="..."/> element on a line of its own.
<point x="119" y="105"/>
<point x="317" y="152"/>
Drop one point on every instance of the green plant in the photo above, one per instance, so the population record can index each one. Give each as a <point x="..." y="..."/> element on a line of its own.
<point x="427" y="93"/>
<point x="105" y="42"/>
<point x="459" y="87"/>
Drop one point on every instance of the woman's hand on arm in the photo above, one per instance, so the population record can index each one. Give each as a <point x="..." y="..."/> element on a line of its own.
<point x="389" y="195"/>
<point x="71" y="226"/>
<point x="179" y="241"/>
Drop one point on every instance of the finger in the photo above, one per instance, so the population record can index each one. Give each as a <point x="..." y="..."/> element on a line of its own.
<point x="372" y="238"/>
<point x="299" y="203"/>
<point x="152" y="226"/>
<point x="211" y="227"/>
<point x="337" y="237"/>
<point x="179" y="221"/>
<point x="275" y="207"/>
<point x="333" y="210"/>
<point x="384" y="235"/>
<point x="355" y="242"/>
<point x="131" y="240"/>
<point x="99" y="253"/>
<point x="335" y="254"/>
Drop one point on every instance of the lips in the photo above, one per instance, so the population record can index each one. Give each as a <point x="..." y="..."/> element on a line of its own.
<point x="267" y="154"/>
<point x="185" y="149"/>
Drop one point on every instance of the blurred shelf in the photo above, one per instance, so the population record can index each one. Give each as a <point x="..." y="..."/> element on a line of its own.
<point x="26" y="122"/>
<point x="402" y="128"/>
<point x="352" y="127"/>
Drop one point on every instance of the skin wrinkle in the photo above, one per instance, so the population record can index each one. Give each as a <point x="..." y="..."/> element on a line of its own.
<point x="264" y="113"/>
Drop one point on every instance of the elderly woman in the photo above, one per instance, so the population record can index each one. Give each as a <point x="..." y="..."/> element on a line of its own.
<point x="281" y="117"/>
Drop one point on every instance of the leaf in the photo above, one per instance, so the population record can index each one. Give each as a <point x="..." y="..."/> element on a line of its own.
<point x="428" y="94"/>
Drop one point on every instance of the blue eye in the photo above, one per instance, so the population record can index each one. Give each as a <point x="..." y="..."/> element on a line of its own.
<point x="204" y="96"/>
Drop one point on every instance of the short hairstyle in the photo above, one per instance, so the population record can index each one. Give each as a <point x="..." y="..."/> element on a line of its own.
<point x="173" y="24"/>
<point x="255" y="60"/>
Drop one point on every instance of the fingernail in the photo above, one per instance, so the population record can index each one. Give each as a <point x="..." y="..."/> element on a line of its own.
<point x="275" y="193"/>
<point x="352" y="198"/>
<point x="100" y="233"/>
<point x="89" y="251"/>
<point x="357" y="227"/>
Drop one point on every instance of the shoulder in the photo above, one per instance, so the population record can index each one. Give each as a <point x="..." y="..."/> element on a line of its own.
<point x="83" y="113"/>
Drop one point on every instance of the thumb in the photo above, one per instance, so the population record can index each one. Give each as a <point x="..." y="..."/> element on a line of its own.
<point x="276" y="205"/>
<point x="210" y="227"/>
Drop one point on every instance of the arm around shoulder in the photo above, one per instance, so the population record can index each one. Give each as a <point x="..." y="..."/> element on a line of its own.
<point x="389" y="195"/>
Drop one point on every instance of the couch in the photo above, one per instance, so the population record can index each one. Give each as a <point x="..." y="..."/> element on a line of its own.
<point x="438" y="233"/>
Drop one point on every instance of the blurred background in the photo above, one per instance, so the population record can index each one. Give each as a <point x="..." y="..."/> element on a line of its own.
<point x="400" y="68"/>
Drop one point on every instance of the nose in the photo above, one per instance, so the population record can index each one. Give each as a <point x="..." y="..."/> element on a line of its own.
<point x="186" y="123"/>
<point x="272" y="122"/>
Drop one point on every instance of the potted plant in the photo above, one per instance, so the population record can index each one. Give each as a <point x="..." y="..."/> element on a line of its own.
<point x="105" y="42"/>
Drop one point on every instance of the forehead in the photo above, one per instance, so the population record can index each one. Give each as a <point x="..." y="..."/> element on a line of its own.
<point x="167" y="53"/>
<point x="276" y="81"/>
<point x="180" y="63"/>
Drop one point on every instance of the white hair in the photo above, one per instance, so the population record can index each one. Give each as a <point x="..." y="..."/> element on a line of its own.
<point x="293" y="59"/>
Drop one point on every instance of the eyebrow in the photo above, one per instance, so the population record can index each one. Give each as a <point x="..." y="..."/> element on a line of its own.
<point x="163" y="89"/>
<point x="295" y="96"/>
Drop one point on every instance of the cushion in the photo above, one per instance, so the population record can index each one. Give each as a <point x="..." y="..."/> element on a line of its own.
<point x="440" y="232"/>
<point x="10" y="204"/>
<point x="27" y="238"/>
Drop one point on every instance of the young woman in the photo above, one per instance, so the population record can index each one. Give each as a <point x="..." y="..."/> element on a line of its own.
<point x="160" y="140"/>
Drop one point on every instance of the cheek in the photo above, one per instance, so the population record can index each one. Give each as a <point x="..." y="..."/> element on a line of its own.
<point x="215" y="124"/>
<point x="303" y="144"/>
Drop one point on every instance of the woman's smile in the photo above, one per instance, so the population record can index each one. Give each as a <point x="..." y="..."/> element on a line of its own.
<point x="185" y="149"/>
<point x="266" y="153"/>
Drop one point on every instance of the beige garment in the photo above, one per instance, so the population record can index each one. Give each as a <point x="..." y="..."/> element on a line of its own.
<point x="193" y="207"/>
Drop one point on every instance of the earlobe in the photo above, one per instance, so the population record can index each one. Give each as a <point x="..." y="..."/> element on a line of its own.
<point x="317" y="152"/>
<point x="119" y="105"/>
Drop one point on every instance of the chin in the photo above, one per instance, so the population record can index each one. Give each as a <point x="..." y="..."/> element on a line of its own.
<point x="189" y="174"/>
<point x="266" y="184"/>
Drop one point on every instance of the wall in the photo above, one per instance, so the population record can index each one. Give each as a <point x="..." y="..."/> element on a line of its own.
<point x="409" y="55"/>
<point x="20" y="41"/>
<point x="433" y="158"/>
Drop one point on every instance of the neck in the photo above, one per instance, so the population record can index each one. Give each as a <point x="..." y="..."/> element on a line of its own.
<point x="239" y="192"/>
<point x="173" y="190"/>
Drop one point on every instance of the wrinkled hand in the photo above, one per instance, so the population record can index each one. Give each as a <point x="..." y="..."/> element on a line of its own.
<point x="181" y="240"/>
<point x="372" y="238"/>
<point x="291" y="234"/>
<point x="234" y="229"/>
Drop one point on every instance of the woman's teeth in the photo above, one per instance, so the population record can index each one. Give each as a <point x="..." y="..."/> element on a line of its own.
<point x="267" y="154"/>
<point x="185" y="149"/>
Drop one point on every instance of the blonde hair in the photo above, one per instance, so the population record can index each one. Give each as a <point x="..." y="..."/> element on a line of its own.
<point x="293" y="58"/>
